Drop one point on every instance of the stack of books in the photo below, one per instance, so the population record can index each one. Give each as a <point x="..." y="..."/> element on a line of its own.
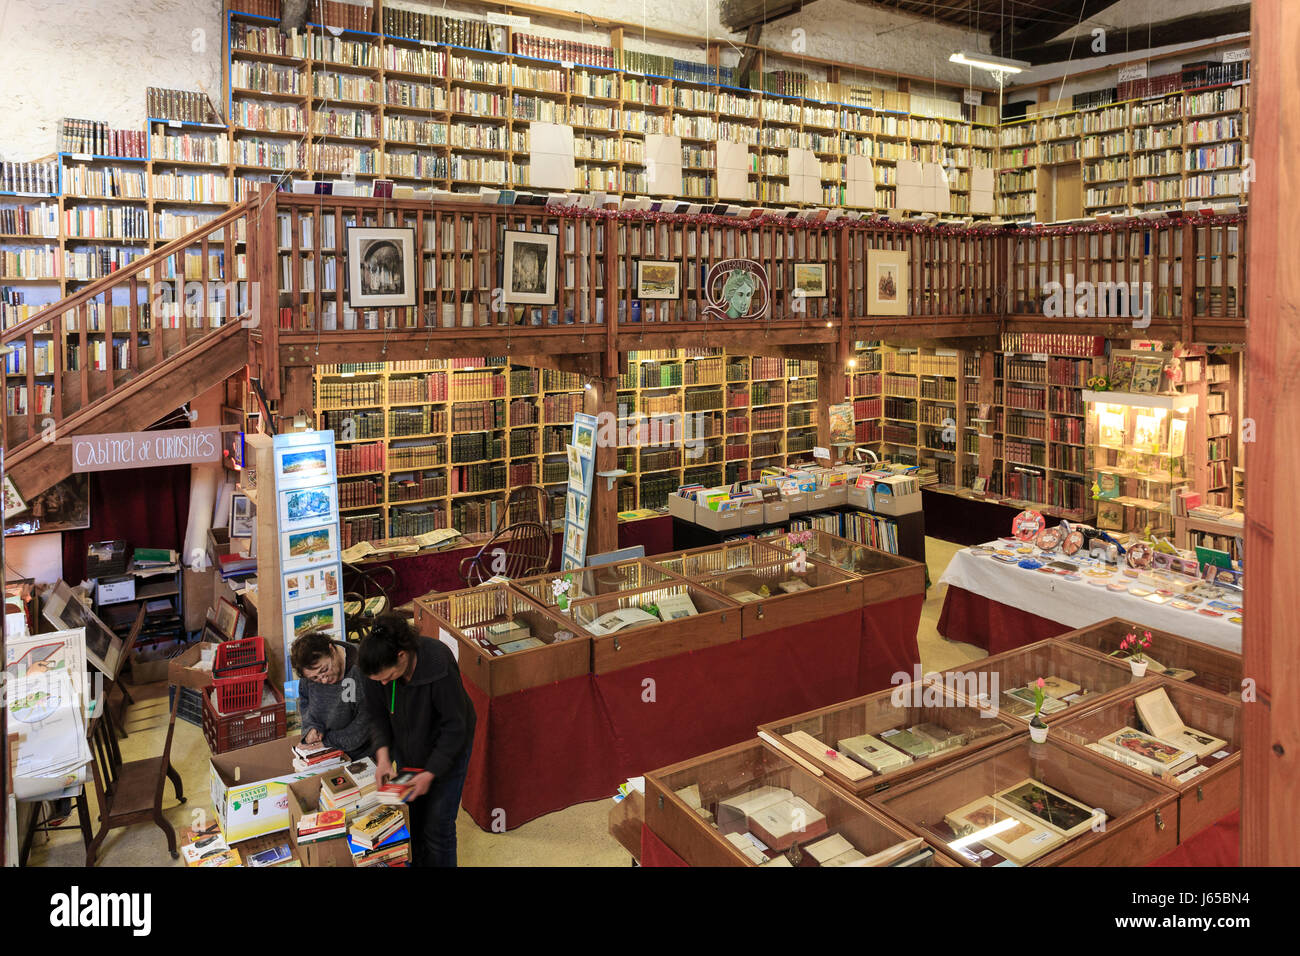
<point x="338" y="791"/>
<point x="318" y="758"/>
<point x="393" y="850"/>
<point x="362" y="773"/>
<point x="396" y="789"/>
<point x="322" y="825"/>
<point x="152" y="558"/>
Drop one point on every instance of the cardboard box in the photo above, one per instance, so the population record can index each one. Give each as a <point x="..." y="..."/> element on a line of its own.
<point x="197" y="588"/>
<point x="718" y="520"/>
<point x="775" y="512"/>
<point x="250" y="789"/>
<point x="898" y="504"/>
<point x="151" y="663"/>
<point x="835" y="496"/>
<point x="821" y="499"/>
<point x="115" y="590"/>
<point x="181" y="669"/>
<point x="752" y="515"/>
<point x="796" y="504"/>
<point x="304" y="798"/>
<point x="680" y="507"/>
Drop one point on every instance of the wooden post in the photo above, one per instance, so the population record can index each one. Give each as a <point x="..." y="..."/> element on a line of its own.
<point x="297" y="397"/>
<point x="265" y="297"/>
<point x="1271" y="748"/>
<point x="602" y="535"/>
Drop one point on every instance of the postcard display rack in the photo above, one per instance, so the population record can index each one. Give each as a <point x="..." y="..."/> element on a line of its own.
<point x="563" y="719"/>
<point x="299" y="567"/>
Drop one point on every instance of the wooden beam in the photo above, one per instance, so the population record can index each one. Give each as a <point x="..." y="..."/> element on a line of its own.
<point x="746" y="63"/>
<point x="1270" y="641"/>
<point x="602" y="534"/>
<point x="1205" y="26"/>
<point x="737" y="15"/>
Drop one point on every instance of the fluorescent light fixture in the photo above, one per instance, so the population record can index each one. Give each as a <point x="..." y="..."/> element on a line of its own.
<point x="987" y="61"/>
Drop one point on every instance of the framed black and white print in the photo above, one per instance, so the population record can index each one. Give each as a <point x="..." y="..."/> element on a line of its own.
<point x="529" y="268"/>
<point x="381" y="267"/>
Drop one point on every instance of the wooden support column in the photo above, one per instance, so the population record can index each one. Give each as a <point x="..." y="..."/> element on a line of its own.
<point x="1270" y="831"/>
<point x="602" y="535"/>
<point x="264" y="295"/>
<point x="296" y="397"/>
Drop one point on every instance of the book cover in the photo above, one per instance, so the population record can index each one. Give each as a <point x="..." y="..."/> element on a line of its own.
<point x="1148" y="374"/>
<point x="1035" y="801"/>
<point x="873" y="753"/>
<point x="1121" y="373"/>
<point x="1152" y="753"/>
<point x="1007" y="834"/>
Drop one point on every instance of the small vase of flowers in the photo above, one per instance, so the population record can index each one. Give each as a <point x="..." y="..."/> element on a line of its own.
<point x="798" y="542"/>
<point x="1132" y="647"/>
<point x="560" y="588"/>
<point x="1038" y="726"/>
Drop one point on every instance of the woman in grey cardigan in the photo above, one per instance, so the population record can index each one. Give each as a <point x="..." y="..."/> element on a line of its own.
<point x="329" y="694"/>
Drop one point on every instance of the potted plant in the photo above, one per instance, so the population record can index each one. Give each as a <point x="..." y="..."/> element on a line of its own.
<point x="560" y="588"/>
<point x="1038" y="726"/>
<point x="798" y="542"/>
<point x="1132" y="647"/>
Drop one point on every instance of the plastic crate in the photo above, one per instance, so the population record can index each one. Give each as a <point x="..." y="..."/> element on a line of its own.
<point x="226" y="732"/>
<point x="238" y="673"/>
<point x="190" y="709"/>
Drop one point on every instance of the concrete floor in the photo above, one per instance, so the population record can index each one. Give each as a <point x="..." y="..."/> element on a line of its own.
<point x="577" y="836"/>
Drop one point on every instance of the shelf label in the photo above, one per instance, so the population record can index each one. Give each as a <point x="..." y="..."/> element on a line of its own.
<point x="972" y="97"/>
<point x="508" y="20"/>
<point x="174" y="124"/>
<point x="82" y="156"/>
<point x="428" y="43"/>
<point x="1134" y="71"/>
<point x="567" y="64"/>
<point x="820" y="452"/>
<point x="1236" y="56"/>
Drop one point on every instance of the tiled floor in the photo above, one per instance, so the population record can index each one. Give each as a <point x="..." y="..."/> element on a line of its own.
<point x="578" y="836"/>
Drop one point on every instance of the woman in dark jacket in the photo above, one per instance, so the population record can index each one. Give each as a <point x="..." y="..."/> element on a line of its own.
<point x="421" y="718"/>
<point x="330" y="688"/>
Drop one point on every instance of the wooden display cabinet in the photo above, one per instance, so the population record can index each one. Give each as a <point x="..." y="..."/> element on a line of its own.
<point x="718" y="621"/>
<point x="1216" y="670"/>
<point x="596" y="581"/>
<point x="884" y="576"/>
<point x="1097" y="677"/>
<point x="1203" y="799"/>
<point x="1141" y="816"/>
<point x="695" y="563"/>
<point x="744" y="767"/>
<point x="813" y="737"/>
<point x="829" y="592"/>
<point x="466" y="617"/>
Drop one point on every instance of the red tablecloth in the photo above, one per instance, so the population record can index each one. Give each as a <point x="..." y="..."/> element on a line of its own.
<point x="550" y="747"/>
<point x="655" y="852"/>
<point x="974" y="619"/>
<point x="1217" y="845"/>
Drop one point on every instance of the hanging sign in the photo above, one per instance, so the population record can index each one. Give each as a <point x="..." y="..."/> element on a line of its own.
<point x="1134" y="71"/>
<point x="178" y="446"/>
<point x="737" y="289"/>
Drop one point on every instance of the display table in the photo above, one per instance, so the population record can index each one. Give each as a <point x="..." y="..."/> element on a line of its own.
<point x="1000" y="606"/>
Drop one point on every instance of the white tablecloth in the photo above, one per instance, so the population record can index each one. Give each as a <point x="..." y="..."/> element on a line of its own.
<point x="1078" y="603"/>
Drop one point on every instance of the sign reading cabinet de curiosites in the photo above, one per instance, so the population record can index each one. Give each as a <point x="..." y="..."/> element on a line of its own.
<point x="178" y="446"/>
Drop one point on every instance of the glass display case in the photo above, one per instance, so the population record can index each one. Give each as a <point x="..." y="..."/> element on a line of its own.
<point x="631" y="627"/>
<point x="748" y="806"/>
<point x="1072" y="677"/>
<point x="1190" y="740"/>
<point x="718" y="558"/>
<point x="594" y="581"/>
<point x="1170" y="655"/>
<point x="1140" y="444"/>
<point x="507" y="642"/>
<point x="1018" y="803"/>
<point x="778" y="595"/>
<point x="872" y="742"/>
<point x="885" y="575"/>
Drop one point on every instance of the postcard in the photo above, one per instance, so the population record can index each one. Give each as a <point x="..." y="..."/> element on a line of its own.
<point x="1033" y="800"/>
<point x="307" y="506"/>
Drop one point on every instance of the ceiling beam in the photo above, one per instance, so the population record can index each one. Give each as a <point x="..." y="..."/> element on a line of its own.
<point x="1205" y="26"/>
<point x="737" y="15"/>
<point x="750" y="55"/>
<point x="1010" y="40"/>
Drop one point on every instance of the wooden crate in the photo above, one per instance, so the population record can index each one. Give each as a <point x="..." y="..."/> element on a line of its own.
<point x="884" y="576"/>
<point x="829" y="592"/>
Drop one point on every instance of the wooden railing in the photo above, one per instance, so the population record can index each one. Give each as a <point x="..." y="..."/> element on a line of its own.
<point x="76" y="351"/>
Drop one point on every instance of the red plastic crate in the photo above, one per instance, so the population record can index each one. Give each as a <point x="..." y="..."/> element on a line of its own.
<point x="256" y="726"/>
<point x="237" y="674"/>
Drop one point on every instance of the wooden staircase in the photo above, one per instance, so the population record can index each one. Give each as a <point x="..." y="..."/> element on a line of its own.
<point x="128" y="348"/>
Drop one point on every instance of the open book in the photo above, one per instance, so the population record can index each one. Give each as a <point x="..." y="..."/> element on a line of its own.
<point x="618" y="620"/>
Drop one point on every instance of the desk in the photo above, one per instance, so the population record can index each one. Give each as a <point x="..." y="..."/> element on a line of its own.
<point x="1000" y="606"/>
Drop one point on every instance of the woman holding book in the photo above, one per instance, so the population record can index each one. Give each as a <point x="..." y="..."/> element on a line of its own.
<point x="329" y="694"/>
<point x="422" y="720"/>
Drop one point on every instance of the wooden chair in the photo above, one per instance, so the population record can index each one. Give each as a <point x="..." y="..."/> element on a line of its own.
<point x="130" y="793"/>
<point x="515" y="551"/>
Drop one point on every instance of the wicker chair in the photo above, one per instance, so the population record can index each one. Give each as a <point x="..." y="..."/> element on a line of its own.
<point x="519" y="548"/>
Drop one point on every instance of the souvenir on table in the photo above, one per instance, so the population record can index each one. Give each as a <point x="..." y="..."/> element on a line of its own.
<point x="1073" y="542"/>
<point x="1049" y="538"/>
<point x="1138" y="555"/>
<point x="1026" y="525"/>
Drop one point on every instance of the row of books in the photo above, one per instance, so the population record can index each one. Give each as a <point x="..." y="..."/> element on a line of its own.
<point x="41" y="220"/>
<point x="360" y="459"/>
<point x="440" y="29"/>
<point x="40" y="177"/>
<point x="1054" y="343"/>
<point x="187" y="106"/>
<point x="92" y="136"/>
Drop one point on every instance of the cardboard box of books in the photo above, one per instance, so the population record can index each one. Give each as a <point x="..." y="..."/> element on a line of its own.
<point x="898" y="504"/>
<point x="250" y="789"/>
<point x="796" y="503"/>
<point x="193" y="666"/>
<point x="776" y="511"/>
<point x="680" y="507"/>
<point x="304" y="798"/>
<point x="728" y="520"/>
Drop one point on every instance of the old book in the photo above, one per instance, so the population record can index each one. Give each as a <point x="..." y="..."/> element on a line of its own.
<point x="734" y="811"/>
<point x="1025" y="695"/>
<point x="873" y="753"/>
<point x="827" y="756"/>
<point x="828" y="848"/>
<point x="371" y="829"/>
<point x="674" y="606"/>
<point x="1175" y="673"/>
<point x="617" y="620"/>
<point x="1161" y="720"/>
<point x="941" y="737"/>
<point x="744" y="597"/>
<point x="912" y="744"/>
<point x="321" y="825"/>
<point x="793" y="585"/>
<point x="743" y="843"/>
<point x="1058" y="687"/>
<point x="780" y="825"/>
<point x="505" y="632"/>
<point x="890" y="856"/>
<point x="1039" y="803"/>
<point x="1123" y="757"/>
<point x="848" y="858"/>
<point x="521" y="644"/>
<point x="1007" y="834"/>
<point x="1152" y="753"/>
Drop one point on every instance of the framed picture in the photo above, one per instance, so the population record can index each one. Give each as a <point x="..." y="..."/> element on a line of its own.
<point x="529" y="268"/>
<point x="14" y="503"/>
<point x="1148" y="374"/>
<point x="327" y="618"/>
<point x="887" y="271"/>
<point x="658" y="280"/>
<point x="810" y="279"/>
<point x="308" y="546"/>
<point x="1051" y="808"/>
<point x="381" y="267"/>
<point x="298" y="466"/>
<point x="232" y="442"/>
<point x="65" y="612"/>
<point x="65" y="507"/>
<point x="307" y="506"/>
<point x="241" y="516"/>
<point x="227" y="617"/>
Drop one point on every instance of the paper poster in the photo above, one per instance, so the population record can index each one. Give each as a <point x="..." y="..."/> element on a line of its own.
<point x="581" y="456"/>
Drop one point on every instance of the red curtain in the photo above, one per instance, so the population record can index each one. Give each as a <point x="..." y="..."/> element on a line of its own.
<point x="145" y="507"/>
